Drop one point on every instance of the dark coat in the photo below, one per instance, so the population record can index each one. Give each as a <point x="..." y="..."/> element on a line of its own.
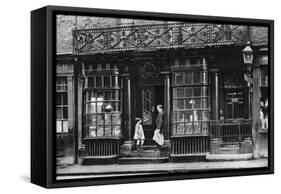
<point x="160" y="121"/>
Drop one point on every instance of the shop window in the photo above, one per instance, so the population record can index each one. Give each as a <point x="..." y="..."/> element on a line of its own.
<point x="61" y="105"/>
<point x="103" y="106"/>
<point x="191" y="112"/>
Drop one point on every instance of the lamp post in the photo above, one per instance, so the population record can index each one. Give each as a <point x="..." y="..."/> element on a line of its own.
<point x="253" y="72"/>
<point x="248" y="56"/>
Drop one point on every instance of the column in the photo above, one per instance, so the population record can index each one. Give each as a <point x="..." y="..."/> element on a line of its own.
<point x="215" y="142"/>
<point x="216" y="77"/>
<point x="75" y="109"/>
<point x="167" y="104"/>
<point x="127" y="147"/>
<point x="215" y="94"/>
<point x="166" y="148"/>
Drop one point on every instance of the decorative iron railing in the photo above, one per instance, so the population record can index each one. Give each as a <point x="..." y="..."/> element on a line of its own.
<point x="102" y="147"/>
<point x="231" y="132"/>
<point x="157" y="36"/>
<point x="190" y="145"/>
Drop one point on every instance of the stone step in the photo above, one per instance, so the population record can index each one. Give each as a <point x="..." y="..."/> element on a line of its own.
<point x="144" y="154"/>
<point x="143" y="160"/>
<point x="226" y="150"/>
<point x="149" y="147"/>
<point x="230" y="145"/>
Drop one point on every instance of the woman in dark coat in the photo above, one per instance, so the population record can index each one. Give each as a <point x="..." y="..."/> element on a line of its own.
<point x="158" y="136"/>
<point x="160" y="118"/>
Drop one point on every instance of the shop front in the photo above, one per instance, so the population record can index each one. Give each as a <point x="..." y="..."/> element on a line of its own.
<point x="195" y="71"/>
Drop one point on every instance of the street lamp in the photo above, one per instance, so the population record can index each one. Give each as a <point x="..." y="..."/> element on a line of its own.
<point x="248" y="56"/>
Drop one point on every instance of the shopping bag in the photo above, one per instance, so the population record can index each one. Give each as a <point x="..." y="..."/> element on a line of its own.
<point x="158" y="137"/>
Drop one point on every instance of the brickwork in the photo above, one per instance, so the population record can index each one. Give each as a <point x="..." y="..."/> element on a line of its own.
<point x="258" y="35"/>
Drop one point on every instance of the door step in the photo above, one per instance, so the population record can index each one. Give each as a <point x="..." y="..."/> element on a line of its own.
<point x="144" y="154"/>
<point x="229" y="150"/>
<point x="143" y="160"/>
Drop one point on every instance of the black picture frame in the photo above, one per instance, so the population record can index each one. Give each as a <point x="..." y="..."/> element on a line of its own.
<point x="43" y="58"/>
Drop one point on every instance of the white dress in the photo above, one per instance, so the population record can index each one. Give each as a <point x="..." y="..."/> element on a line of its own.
<point x="139" y="134"/>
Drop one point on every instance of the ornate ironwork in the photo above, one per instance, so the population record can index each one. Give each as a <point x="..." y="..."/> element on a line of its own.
<point x="159" y="36"/>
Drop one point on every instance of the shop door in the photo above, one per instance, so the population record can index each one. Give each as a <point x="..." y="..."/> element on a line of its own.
<point x="151" y="96"/>
<point x="235" y="104"/>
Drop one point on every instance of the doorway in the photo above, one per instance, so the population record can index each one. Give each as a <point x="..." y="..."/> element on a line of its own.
<point x="149" y="97"/>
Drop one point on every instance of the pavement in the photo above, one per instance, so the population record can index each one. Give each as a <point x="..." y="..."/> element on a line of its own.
<point x="91" y="171"/>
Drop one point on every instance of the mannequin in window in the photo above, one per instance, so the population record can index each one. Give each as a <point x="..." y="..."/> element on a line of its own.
<point x="100" y="100"/>
<point x="194" y="119"/>
<point x="221" y="115"/>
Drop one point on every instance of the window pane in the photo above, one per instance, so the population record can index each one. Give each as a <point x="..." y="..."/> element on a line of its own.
<point x="107" y="118"/>
<point x="91" y="96"/>
<point x="106" y="80"/>
<point x="180" y="128"/>
<point x="59" y="126"/>
<point x="98" y="81"/>
<point x="91" y="82"/>
<point x="59" y="99"/>
<point x="115" y="81"/>
<point x="197" y="103"/>
<point x="91" y="107"/>
<point x="180" y="117"/>
<point x="204" y="127"/>
<point x="204" y="103"/>
<point x="115" y="106"/>
<point x="179" y="104"/>
<point x="100" y="119"/>
<point x="197" y="92"/>
<point x="188" y="78"/>
<point x="100" y="131"/>
<point x="59" y="113"/>
<point x="116" y="119"/>
<point x="116" y="130"/>
<point x="205" y="116"/>
<point x="188" y="116"/>
<point x="196" y="77"/>
<point x="188" y="104"/>
<point x="64" y="96"/>
<point x="65" y="126"/>
<point x="179" y="92"/>
<point x="115" y="95"/>
<point x="179" y="78"/>
<point x="107" y="95"/>
<point x="93" y="131"/>
<point x="65" y="113"/>
<point x="92" y="120"/>
<point x="188" y="92"/>
<point x="107" y="131"/>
